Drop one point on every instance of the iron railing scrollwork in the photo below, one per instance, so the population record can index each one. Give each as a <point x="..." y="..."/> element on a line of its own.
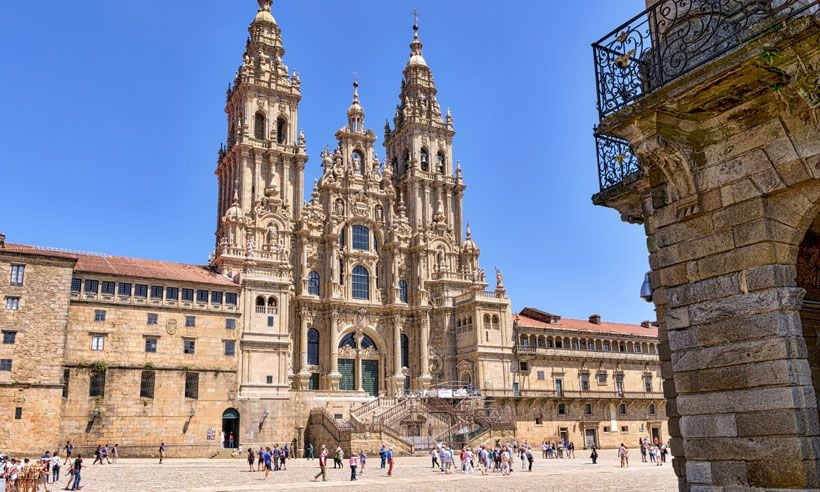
<point x="664" y="42"/>
<point x="673" y="37"/>
<point x="616" y="161"/>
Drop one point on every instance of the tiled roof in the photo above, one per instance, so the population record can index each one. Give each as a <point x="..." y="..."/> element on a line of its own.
<point x="129" y="267"/>
<point x="583" y="325"/>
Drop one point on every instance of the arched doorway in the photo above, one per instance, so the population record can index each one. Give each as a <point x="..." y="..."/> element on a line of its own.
<point x="230" y="427"/>
<point x="808" y="277"/>
<point x="359" y="364"/>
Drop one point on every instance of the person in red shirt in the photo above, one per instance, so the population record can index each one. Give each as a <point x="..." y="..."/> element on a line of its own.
<point x="322" y="465"/>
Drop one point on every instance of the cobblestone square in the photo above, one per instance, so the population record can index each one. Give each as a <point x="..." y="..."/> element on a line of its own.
<point x="411" y="473"/>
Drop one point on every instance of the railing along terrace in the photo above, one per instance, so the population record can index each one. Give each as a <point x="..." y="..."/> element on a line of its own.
<point x="673" y="37"/>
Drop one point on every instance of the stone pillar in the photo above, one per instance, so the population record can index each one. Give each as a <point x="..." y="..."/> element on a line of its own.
<point x="303" y="376"/>
<point x="425" y="378"/>
<point x="398" y="376"/>
<point x="334" y="376"/>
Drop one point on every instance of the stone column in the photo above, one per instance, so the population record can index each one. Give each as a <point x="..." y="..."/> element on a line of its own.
<point x="304" y="375"/>
<point x="357" y="377"/>
<point x="334" y="376"/>
<point x="425" y="378"/>
<point x="398" y="376"/>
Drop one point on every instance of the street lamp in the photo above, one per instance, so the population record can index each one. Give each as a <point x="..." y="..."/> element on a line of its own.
<point x="193" y="412"/>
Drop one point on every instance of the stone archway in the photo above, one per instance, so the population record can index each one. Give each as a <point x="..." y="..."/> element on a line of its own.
<point x="808" y="278"/>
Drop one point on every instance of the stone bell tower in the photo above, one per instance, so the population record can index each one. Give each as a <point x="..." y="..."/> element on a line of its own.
<point x="260" y="173"/>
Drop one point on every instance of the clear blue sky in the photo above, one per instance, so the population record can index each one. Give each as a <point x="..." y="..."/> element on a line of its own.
<point x="113" y="114"/>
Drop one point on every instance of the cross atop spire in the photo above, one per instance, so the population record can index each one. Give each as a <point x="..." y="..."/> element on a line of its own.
<point x="415" y="20"/>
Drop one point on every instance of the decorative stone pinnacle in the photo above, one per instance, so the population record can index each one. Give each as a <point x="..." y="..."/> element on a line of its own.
<point x="265" y="5"/>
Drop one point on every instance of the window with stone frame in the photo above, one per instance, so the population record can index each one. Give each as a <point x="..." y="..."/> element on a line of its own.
<point x="98" y="343"/>
<point x="230" y="348"/>
<point x="192" y="385"/>
<point x="151" y="344"/>
<point x="190" y="321"/>
<point x="360" y="237"/>
<point x="5" y="365"/>
<point x="108" y="288"/>
<point x="216" y="297"/>
<point x="424" y="157"/>
<point x="172" y="294"/>
<point x="141" y="290"/>
<point x="313" y="283"/>
<point x="96" y="385"/>
<point x="124" y="289"/>
<point x="188" y="295"/>
<point x="259" y="126"/>
<point x="9" y="337"/>
<point x="91" y="286"/>
<point x="313" y="347"/>
<point x="587" y="409"/>
<point x="647" y="383"/>
<point x="602" y="377"/>
<point x="403" y="291"/>
<point x="313" y="382"/>
<point x="99" y="315"/>
<point x="201" y="296"/>
<point x="230" y="298"/>
<point x="622" y="409"/>
<point x="188" y="346"/>
<point x="405" y="350"/>
<point x="360" y="281"/>
<point x="153" y="319"/>
<point x="230" y="323"/>
<point x="539" y="375"/>
<point x="562" y="409"/>
<point x="651" y="409"/>
<point x="17" y="274"/>
<point x="584" y="381"/>
<point x="76" y="285"/>
<point x="147" y="380"/>
<point x="156" y="291"/>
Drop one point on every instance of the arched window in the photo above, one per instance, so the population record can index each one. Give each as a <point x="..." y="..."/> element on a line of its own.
<point x="395" y="164"/>
<point x="348" y="341"/>
<point x="272" y="302"/>
<point x="358" y="162"/>
<point x="487" y="323"/>
<point x="403" y="291"/>
<point x="495" y="322"/>
<point x="425" y="160"/>
<point x="342" y="235"/>
<point x="259" y="126"/>
<point x="341" y="271"/>
<point x="440" y="167"/>
<point x="361" y="283"/>
<point x="367" y="342"/>
<point x="651" y="409"/>
<point x="260" y="304"/>
<point x="313" y="347"/>
<point x="405" y="163"/>
<point x="405" y="351"/>
<point x="281" y="130"/>
<point x="313" y="283"/>
<point x="361" y="238"/>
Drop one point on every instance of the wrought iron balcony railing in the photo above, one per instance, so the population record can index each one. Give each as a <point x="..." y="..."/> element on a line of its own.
<point x="616" y="162"/>
<point x="672" y="37"/>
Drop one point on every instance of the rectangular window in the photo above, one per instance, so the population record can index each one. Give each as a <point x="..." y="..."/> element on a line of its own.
<point x="172" y="294"/>
<point x="313" y="383"/>
<point x="361" y="238"/>
<point x="188" y="295"/>
<point x="189" y="346"/>
<point x="12" y="303"/>
<point x="76" y="285"/>
<point x="96" y="386"/>
<point x="108" y="288"/>
<point x="647" y="383"/>
<point x="523" y="366"/>
<point x="538" y="420"/>
<point x="147" y="379"/>
<point x="5" y="364"/>
<point x="141" y="290"/>
<point x="602" y="377"/>
<point x="606" y="428"/>
<point x="99" y="315"/>
<point x="269" y="379"/>
<point x="624" y="428"/>
<point x="9" y="337"/>
<point x="584" y="382"/>
<point x="587" y="409"/>
<point x="270" y="321"/>
<point x="230" y="298"/>
<point x="17" y="272"/>
<point x="91" y="286"/>
<point x="66" y="376"/>
<point x="190" y="321"/>
<point x="622" y="409"/>
<point x="216" y="297"/>
<point x="124" y="289"/>
<point x="151" y="344"/>
<point x="153" y="318"/>
<point x="98" y="343"/>
<point x="192" y="385"/>
<point x="18" y="413"/>
<point x="562" y="409"/>
<point x="201" y="296"/>
<point x="230" y="348"/>
<point x="540" y="375"/>
<point x="156" y="291"/>
<point x="230" y="323"/>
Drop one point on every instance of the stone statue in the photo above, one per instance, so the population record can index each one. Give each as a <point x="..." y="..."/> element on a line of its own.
<point x="272" y="236"/>
<point x="250" y="246"/>
<point x="499" y="278"/>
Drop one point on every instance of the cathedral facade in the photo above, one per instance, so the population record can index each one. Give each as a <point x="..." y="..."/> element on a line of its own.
<point x="314" y="319"/>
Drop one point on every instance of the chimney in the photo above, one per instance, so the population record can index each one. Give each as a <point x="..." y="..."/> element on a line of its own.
<point x="646" y="324"/>
<point x="595" y="319"/>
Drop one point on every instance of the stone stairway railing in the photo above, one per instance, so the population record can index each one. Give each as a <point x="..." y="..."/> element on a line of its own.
<point x="373" y="406"/>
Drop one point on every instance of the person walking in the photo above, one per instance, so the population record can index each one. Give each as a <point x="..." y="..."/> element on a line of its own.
<point x="434" y="456"/>
<point x="55" y="467"/>
<point x="310" y="451"/>
<point x="97" y="455"/>
<point x="354" y="462"/>
<point x="322" y="466"/>
<point x="362" y="461"/>
<point x="77" y="468"/>
<point x="390" y="461"/>
<point x="382" y="457"/>
<point x="340" y="455"/>
<point x="68" y="449"/>
<point x="530" y="458"/>
<point x="623" y="453"/>
<point x="161" y="452"/>
<point x="251" y="459"/>
<point x="594" y="455"/>
<point x="266" y="457"/>
<point x="115" y="452"/>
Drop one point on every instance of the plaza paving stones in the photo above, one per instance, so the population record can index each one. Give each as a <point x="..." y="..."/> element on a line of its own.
<point x="410" y="474"/>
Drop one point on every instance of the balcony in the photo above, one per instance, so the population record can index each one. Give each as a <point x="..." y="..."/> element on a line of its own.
<point x="662" y="44"/>
<point x="553" y="353"/>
